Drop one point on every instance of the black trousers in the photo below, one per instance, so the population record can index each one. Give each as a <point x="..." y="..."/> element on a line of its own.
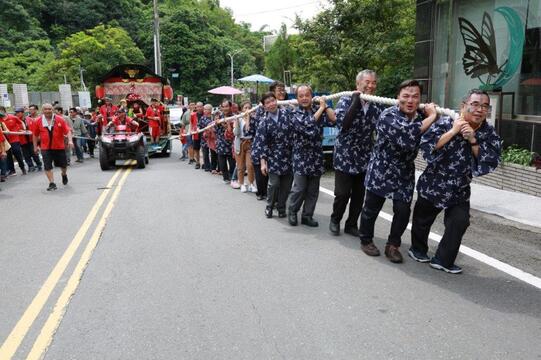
<point x="28" y="150"/>
<point x="206" y="158"/>
<point x="278" y="191"/>
<point x="348" y="188"/>
<point x="372" y="206"/>
<point x="305" y="190"/>
<point x="261" y="181"/>
<point x="91" y="146"/>
<point x="15" y="151"/>
<point x="213" y="160"/>
<point x="224" y="161"/>
<point x="456" y="220"/>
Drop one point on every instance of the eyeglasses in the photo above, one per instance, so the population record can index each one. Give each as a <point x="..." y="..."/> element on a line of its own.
<point x="484" y="107"/>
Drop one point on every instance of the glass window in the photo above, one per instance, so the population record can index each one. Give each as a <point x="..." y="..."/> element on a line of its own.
<point x="529" y="100"/>
<point x="486" y="51"/>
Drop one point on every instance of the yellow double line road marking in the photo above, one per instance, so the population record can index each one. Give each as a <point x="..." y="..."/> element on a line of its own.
<point x="15" y="338"/>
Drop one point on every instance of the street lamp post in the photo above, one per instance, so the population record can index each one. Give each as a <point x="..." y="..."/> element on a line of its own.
<point x="231" y="55"/>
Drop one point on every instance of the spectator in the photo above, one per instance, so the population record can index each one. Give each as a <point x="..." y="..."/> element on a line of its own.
<point x="92" y="127"/>
<point x="243" y="148"/>
<point x="79" y="132"/>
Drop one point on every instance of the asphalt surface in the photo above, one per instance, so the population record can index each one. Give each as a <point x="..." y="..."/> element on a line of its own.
<point x="188" y="268"/>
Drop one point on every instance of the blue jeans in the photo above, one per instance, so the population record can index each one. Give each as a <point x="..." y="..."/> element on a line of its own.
<point x="79" y="143"/>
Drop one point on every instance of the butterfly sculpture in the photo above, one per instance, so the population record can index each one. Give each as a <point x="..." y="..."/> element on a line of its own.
<point x="480" y="56"/>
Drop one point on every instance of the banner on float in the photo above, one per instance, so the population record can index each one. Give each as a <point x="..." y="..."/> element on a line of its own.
<point x="20" y="95"/>
<point x="66" y="101"/>
<point x="84" y="99"/>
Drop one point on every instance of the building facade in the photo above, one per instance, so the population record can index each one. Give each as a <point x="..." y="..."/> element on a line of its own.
<point x="494" y="45"/>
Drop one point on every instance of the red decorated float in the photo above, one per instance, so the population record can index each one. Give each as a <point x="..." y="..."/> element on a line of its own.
<point x="137" y="84"/>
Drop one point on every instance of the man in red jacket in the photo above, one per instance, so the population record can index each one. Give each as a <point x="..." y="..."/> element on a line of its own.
<point x="13" y="124"/>
<point x="108" y="110"/>
<point x="50" y="130"/>
<point x="154" y="117"/>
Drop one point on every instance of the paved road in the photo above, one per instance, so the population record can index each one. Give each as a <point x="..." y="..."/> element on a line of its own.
<point x="187" y="268"/>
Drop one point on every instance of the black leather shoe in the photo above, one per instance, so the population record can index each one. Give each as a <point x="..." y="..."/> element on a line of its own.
<point x="292" y="219"/>
<point x="282" y="214"/>
<point x="309" y="221"/>
<point x="351" y="231"/>
<point x="334" y="228"/>
<point x="268" y="212"/>
<point x="260" y="197"/>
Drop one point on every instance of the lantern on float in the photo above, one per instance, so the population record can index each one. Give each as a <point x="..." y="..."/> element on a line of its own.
<point x="100" y="92"/>
<point x="167" y="92"/>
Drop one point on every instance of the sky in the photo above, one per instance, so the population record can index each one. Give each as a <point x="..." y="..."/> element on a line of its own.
<point x="272" y="12"/>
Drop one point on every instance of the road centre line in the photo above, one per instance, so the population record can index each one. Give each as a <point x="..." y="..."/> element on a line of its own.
<point x="479" y="256"/>
<point x="14" y="339"/>
<point x="48" y="330"/>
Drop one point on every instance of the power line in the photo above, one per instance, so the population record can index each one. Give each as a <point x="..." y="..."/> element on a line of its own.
<point x="275" y="10"/>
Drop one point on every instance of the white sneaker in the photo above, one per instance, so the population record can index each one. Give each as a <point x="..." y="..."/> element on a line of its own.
<point x="253" y="188"/>
<point x="243" y="188"/>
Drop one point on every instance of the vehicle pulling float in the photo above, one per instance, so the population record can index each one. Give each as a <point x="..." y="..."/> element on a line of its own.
<point x="136" y="85"/>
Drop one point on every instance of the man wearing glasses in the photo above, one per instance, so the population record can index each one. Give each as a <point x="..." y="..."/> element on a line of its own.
<point x="454" y="151"/>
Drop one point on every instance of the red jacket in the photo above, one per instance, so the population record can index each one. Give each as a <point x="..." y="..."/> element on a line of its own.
<point x="193" y="125"/>
<point x="108" y="112"/>
<point x="152" y="112"/>
<point x="59" y="130"/>
<point x="13" y="123"/>
<point x="129" y="123"/>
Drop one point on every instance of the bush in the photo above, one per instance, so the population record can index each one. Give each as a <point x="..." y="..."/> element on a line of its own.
<point x="517" y="155"/>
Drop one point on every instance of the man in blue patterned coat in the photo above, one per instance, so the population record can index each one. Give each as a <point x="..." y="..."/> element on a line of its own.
<point x="274" y="139"/>
<point x="307" y="121"/>
<point x="391" y="170"/>
<point x="224" y="142"/>
<point x="454" y="151"/>
<point x="356" y="121"/>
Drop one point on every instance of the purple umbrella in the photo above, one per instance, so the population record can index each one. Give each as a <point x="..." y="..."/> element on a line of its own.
<point x="225" y="90"/>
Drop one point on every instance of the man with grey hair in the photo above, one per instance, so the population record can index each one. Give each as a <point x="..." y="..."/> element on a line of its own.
<point x="356" y="121"/>
<point x="50" y="130"/>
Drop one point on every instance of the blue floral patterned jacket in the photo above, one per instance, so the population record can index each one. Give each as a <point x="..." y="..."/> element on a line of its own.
<point x="353" y="146"/>
<point x="257" y="117"/>
<point x="223" y="146"/>
<point x="203" y="122"/>
<point x="391" y="170"/>
<point x="307" y="141"/>
<point x="447" y="177"/>
<point x="275" y="142"/>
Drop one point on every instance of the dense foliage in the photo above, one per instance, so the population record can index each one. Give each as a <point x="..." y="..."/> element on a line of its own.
<point x="350" y="35"/>
<point x="43" y="41"/>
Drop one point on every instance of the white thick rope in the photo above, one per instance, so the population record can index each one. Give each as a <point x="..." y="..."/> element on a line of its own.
<point x="370" y="98"/>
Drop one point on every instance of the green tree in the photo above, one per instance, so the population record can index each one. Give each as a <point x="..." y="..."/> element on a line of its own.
<point x="27" y="63"/>
<point x="96" y="50"/>
<point x="352" y="35"/>
<point x="280" y="56"/>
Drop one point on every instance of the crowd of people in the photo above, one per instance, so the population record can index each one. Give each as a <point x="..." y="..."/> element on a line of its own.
<point x="276" y="152"/>
<point x="37" y="140"/>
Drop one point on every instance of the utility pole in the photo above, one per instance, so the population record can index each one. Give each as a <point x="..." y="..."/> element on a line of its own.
<point x="81" y="70"/>
<point x="231" y="55"/>
<point x="157" y="51"/>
